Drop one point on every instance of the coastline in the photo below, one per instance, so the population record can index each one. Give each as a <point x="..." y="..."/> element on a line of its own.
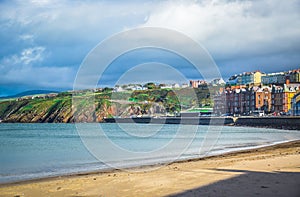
<point x="264" y="154"/>
<point x="96" y="166"/>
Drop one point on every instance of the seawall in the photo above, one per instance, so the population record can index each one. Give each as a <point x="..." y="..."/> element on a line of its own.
<point x="175" y="120"/>
<point x="289" y="123"/>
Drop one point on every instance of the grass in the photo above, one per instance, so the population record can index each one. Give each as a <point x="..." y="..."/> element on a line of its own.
<point x="171" y="99"/>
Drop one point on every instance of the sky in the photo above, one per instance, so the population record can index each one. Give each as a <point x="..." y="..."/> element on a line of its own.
<point x="43" y="42"/>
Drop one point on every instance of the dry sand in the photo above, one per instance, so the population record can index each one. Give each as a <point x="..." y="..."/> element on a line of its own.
<point x="271" y="171"/>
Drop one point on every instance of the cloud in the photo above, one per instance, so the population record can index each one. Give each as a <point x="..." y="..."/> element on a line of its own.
<point x="47" y="41"/>
<point x="26" y="37"/>
<point x="22" y="70"/>
<point x="235" y="30"/>
<point x="30" y="55"/>
<point x="55" y="36"/>
<point x="68" y="23"/>
<point x="50" y="77"/>
<point x="27" y="56"/>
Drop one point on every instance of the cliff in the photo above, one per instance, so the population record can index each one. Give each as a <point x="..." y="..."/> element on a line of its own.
<point x="50" y="109"/>
<point x="105" y="104"/>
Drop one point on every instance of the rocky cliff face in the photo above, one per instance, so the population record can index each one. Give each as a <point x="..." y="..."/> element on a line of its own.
<point x="94" y="106"/>
<point x="149" y="109"/>
<point x="61" y="111"/>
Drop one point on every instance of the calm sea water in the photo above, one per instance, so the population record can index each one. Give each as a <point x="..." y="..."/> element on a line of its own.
<point x="29" y="151"/>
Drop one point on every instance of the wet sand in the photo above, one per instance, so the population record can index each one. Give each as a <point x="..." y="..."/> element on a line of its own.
<point x="268" y="171"/>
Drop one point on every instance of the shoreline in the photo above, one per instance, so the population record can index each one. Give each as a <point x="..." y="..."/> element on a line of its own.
<point x="268" y="171"/>
<point x="247" y="150"/>
<point x="146" y="166"/>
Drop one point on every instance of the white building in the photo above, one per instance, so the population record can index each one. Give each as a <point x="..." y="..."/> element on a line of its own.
<point x="218" y="81"/>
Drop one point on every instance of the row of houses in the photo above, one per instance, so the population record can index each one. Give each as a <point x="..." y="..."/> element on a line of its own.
<point x="131" y="87"/>
<point x="40" y="96"/>
<point x="260" y="78"/>
<point x="199" y="83"/>
<point x="268" y="99"/>
<point x="173" y="86"/>
<point x="192" y="83"/>
<point x="134" y="87"/>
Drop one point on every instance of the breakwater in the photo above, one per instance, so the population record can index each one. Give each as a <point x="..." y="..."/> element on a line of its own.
<point x="174" y="120"/>
<point x="289" y="123"/>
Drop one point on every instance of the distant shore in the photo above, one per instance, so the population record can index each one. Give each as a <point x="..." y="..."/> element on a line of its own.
<point x="263" y="170"/>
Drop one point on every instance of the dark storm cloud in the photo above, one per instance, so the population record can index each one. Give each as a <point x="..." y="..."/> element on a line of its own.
<point x="44" y="42"/>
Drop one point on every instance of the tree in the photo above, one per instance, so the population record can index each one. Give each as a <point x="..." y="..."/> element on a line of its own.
<point x="150" y="85"/>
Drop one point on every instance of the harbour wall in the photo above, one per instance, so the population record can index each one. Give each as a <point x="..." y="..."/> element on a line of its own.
<point x="289" y="123"/>
<point x="270" y="122"/>
<point x="174" y="120"/>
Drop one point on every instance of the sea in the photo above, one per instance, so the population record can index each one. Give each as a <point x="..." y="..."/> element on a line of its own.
<point x="34" y="151"/>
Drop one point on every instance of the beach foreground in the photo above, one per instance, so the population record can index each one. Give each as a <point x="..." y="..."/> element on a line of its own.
<point x="269" y="171"/>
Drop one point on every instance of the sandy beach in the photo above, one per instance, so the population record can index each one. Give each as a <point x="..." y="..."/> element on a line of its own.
<point x="268" y="171"/>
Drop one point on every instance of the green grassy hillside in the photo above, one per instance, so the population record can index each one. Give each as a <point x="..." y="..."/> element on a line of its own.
<point x="94" y="106"/>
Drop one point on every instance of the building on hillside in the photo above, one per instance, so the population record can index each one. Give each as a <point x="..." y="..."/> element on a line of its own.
<point x="251" y="78"/>
<point x="234" y="80"/>
<point x="246" y="78"/>
<point x="218" y="81"/>
<point x="185" y="85"/>
<point x="175" y="85"/>
<point x="294" y="76"/>
<point x="257" y="75"/>
<point x="165" y="86"/>
<point x="172" y="86"/>
<point x="197" y="83"/>
<point x="118" y="89"/>
<point x="274" y="78"/>
<point x="129" y="87"/>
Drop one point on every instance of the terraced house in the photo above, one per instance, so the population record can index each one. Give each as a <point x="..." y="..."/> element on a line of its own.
<point x="251" y="91"/>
